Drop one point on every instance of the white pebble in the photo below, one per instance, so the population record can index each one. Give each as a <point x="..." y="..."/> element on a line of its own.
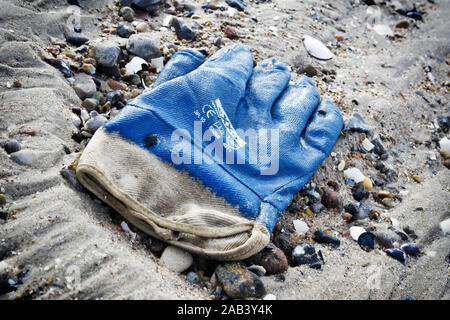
<point x="341" y="165"/>
<point x="300" y="226"/>
<point x="367" y="145"/>
<point x="270" y="297"/>
<point x="354" y="174"/>
<point x="176" y="259"/>
<point x="444" y="143"/>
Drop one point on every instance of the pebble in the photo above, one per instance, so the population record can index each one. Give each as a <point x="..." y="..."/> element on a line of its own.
<point x="12" y="146"/>
<point x="271" y="258"/>
<point x="367" y="145"/>
<point x="4" y="215"/>
<point x="359" y="192"/>
<point x="379" y="148"/>
<point x="192" y="277"/>
<point x="356" y="231"/>
<point x="354" y="174"/>
<point x="124" y="31"/>
<point x="310" y="71"/>
<point x="182" y="29"/>
<point x="90" y="104"/>
<point x="397" y="254"/>
<point x="330" y="198"/>
<point x="114" y="97"/>
<point x="28" y="157"/>
<point x="230" y="33"/>
<point x="270" y="297"/>
<point x="322" y="237"/>
<point x="106" y="54"/>
<point x="238" y="4"/>
<point x="383" y="30"/>
<point x="417" y="179"/>
<point x="84" y="88"/>
<point x="316" y="48"/>
<point x="366" y="241"/>
<point x="126" y="13"/>
<point x="341" y="165"/>
<point x="176" y="259"/>
<point x="143" y="46"/>
<point x="384" y="240"/>
<point x="305" y="253"/>
<point x="367" y="183"/>
<point x="2" y="199"/>
<point x="96" y="121"/>
<point x="410" y="249"/>
<point x="258" y="270"/>
<point x="63" y="66"/>
<point x="445" y="226"/>
<point x="88" y="68"/>
<point x="444" y="144"/>
<point x="142" y="27"/>
<point x="357" y="123"/>
<point x="300" y="226"/>
<point x="286" y="242"/>
<point x="238" y="282"/>
<point x="402" y="24"/>
<point x="148" y="5"/>
<point x="388" y="203"/>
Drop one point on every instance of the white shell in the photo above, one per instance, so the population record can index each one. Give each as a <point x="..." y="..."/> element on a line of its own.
<point x="317" y="49"/>
<point x="300" y="226"/>
<point x="355" y="232"/>
<point x="354" y="174"/>
<point x="445" y="226"/>
<point x="270" y="297"/>
<point x="135" y="65"/>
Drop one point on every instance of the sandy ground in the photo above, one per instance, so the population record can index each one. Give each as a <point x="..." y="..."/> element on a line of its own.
<point x="67" y="243"/>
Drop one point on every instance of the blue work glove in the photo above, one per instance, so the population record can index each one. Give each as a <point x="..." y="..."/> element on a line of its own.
<point x="211" y="156"/>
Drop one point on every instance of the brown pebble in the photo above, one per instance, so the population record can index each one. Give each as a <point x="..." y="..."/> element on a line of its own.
<point x="367" y="183"/>
<point x="347" y="216"/>
<point x="230" y="33"/>
<point x="417" y="179"/>
<point x="270" y="258"/>
<point x="339" y="37"/>
<point x="446" y="163"/>
<point x="404" y="24"/>
<point x="330" y="198"/>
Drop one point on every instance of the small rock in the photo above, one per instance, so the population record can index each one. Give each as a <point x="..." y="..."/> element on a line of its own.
<point x="388" y="203"/>
<point x="238" y="4"/>
<point x="156" y="246"/>
<point x="310" y="71"/>
<point x="341" y="165"/>
<point x="62" y="66"/>
<point x="367" y="183"/>
<point x="176" y="259"/>
<point x="366" y="241"/>
<point x="238" y="282"/>
<point x="77" y="41"/>
<point x="286" y="242"/>
<point x="305" y="253"/>
<point x="12" y="146"/>
<point x="356" y="123"/>
<point x="230" y="33"/>
<point x="270" y="297"/>
<point x="358" y="210"/>
<point x="106" y="54"/>
<point x="258" y="270"/>
<point x="88" y="68"/>
<point x="322" y="237"/>
<point x="142" y="27"/>
<point x="126" y="13"/>
<point x="359" y="192"/>
<point x="4" y="215"/>
<point x="397" y="254"/>
<point x="417" y="179"/>
<point x="192" y="277"/>
<point x="182" y="29"/>
<point x="2" y="199"/>
<point x="379" y="148"/>
<point x="270" y="258"/>
<point x="330" y="198"/>
<point x="402" y="24"/>
<point x="90" y="104"/>
<point x="124" y="31"/>
<point x="95" y="122"/>
<point x="114" y="96"/>
<point x="143" y="46"/>
<point x="383" y="240"/>
<point x="85" y="88"/>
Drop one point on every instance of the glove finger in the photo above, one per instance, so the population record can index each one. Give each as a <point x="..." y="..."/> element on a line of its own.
<point x="323" y="128"/>
<point x="295" y="106"/>
<point x="181" y="63"/>
<point x="266" y="84"/>
<point x="233" y="62"/>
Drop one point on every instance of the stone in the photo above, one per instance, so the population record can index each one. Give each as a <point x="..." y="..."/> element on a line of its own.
<point x="258" y="270"/>
<point x="366" y="241"/>
<point x="148" y="5"/>
<point x="367" y="183"/>
<point x="330" y="198"/>
<point x="2" y="199"/>
<point x="358" y="210"/>
<point x="354" y="174"/>
<point x="85" y="88"/>
<point x="96" y="121"/>
<point x="305" y="253"/>
<point x="126" y="13"/>
<point x="402" y="24"/>
<point x="183" y="30"/>
<point x="12" y="146"/>
<point x="310" y="71"/>
<point x="142" y="27"/>
<point x="286" y="242"/>
<point x="106" y="54"/>
<point x="192" y="277"/>
<point x="445" y="226"/>
<point x="357" y="123"/>
<point x="77" y="41"/>
<point x="61" y="65"/>
<point x="230" y="33"/>
<point x="300" y="226"/>
<point x="383" y="240"/>
<point x="90" y="104"/>
<point x="143" y="46"/>
<point x="410" y="249"/>
<point x="176" y="259"/>
<point x="238" y="4"/>
<point x="359" y="192"/>
<point x="238" y="282"/>
<point x="114" y="97"/>
<point x="271" y="258"/>
<point x="124" y="31"/>
<point x="325" y="238"/>
<point x="397" y="254"/>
